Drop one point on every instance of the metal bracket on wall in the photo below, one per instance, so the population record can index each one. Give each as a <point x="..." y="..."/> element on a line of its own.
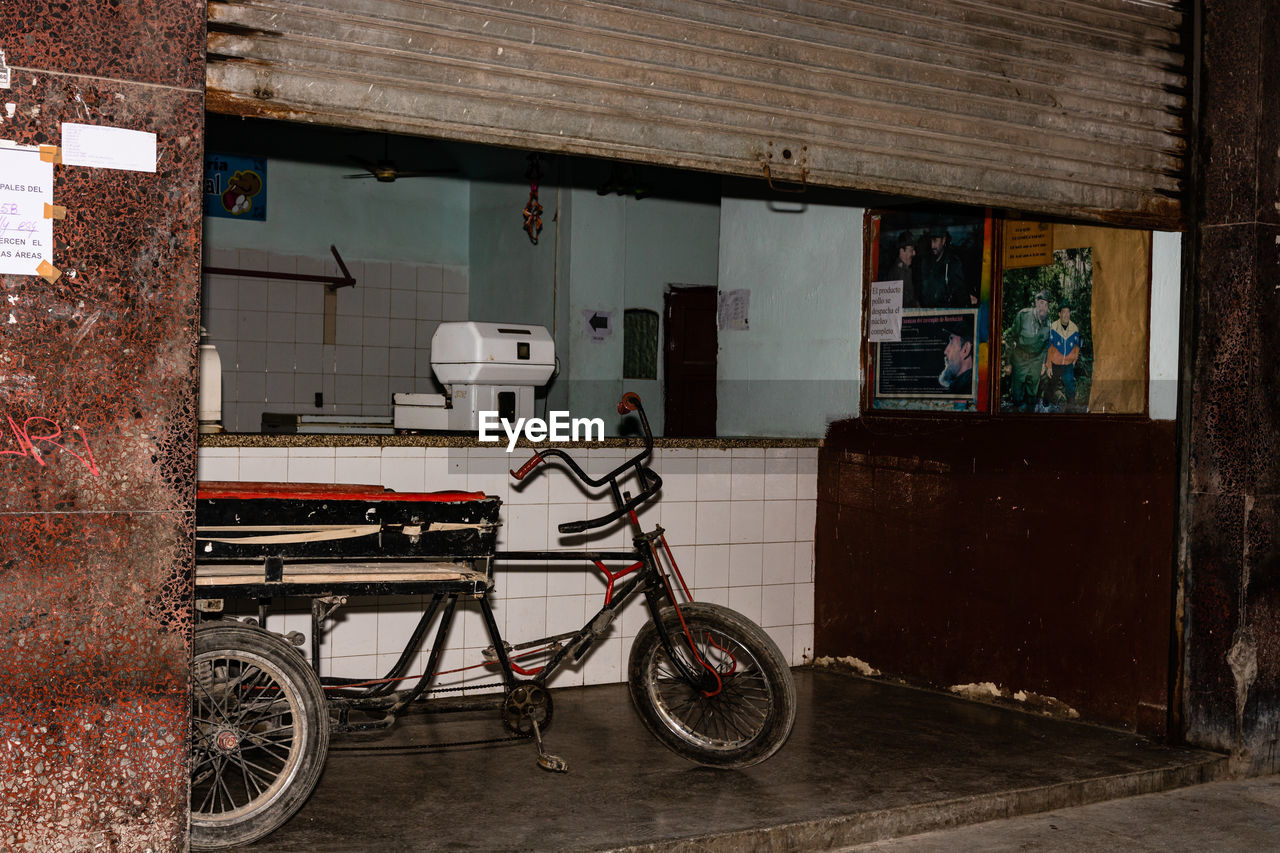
<point x="785" y="166"/>
<point x="333" y="281"/>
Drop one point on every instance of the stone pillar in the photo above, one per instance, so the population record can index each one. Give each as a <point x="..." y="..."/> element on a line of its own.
<point x="1231" y="525"/>
<point x="97" y="435"/>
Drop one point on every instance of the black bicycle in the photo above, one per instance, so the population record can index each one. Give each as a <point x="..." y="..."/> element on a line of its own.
<point x="705" y="680"/>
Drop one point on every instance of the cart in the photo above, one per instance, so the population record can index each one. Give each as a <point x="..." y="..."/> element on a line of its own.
<point x="705" y="680"/>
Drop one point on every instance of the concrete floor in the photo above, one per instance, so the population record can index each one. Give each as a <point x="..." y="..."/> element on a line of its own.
<point x="867" y="761"/>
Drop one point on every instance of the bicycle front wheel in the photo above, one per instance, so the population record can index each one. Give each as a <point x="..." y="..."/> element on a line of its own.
<point x="740" y="724"/>
<point x="259" y="734"/>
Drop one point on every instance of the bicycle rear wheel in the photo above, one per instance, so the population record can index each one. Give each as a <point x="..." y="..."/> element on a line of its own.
<point x="259" y="734"/>
<point x="743" y="722"/>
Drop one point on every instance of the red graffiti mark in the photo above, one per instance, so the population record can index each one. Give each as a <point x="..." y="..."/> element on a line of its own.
<point x="27" y="441"/>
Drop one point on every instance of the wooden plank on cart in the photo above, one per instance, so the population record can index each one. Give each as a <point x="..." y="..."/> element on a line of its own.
<point x="338" y="573"/>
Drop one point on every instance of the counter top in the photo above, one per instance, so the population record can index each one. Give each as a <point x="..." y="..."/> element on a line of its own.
<point x="228" y="439"/>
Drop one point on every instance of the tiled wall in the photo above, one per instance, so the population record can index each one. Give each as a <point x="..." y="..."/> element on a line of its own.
<point x="740" y="523"/>
<point x="270" y="334"/>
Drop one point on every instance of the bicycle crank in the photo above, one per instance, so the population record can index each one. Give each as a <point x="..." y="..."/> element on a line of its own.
<point x="527" y="710"/>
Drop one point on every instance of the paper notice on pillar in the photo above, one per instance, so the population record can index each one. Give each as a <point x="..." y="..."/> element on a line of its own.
<point x="886" y="312"/>
<point x="26" y="185"/>
<point x="108" y="147"/>
<point x="733" y="309"/>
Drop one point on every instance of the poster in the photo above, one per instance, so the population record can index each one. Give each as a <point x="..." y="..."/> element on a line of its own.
<point x="235" y="187"/>
<point x="931" y="351"/>
<point x="1046" y="343"/>
<point x="26" y="234"/>
<point x="935" y="358"/>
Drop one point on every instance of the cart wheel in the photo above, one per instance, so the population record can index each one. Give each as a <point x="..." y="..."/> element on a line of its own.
<point x="747" y="720"/>
<point x="259" y="734"/>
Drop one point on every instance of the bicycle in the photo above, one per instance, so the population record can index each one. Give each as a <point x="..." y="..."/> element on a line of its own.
<point x="707" y="682"/>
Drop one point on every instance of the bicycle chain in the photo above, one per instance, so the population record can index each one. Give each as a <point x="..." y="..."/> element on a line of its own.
<point x="427" y="747"/>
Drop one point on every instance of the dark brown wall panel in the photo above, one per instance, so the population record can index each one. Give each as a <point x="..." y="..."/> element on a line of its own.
<point x="1036" y="554"/>
<point x="96" y="523"/>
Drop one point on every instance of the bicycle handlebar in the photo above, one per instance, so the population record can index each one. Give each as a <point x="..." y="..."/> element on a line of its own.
<point x="651" y="482"/>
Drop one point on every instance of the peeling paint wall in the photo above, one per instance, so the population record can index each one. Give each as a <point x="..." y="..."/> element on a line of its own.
<point x="97" y="436"/>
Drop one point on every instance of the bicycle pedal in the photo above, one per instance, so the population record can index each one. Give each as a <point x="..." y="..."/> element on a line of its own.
<point x="554" y="763"/>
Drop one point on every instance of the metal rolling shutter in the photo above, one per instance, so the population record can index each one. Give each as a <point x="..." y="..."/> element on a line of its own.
<point x="1066" y="107"/>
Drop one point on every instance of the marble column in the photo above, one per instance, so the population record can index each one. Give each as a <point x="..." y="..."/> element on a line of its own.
<point x="97" y="435"/>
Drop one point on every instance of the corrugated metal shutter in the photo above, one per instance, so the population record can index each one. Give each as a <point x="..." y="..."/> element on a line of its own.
<point x="1069" y="107"/>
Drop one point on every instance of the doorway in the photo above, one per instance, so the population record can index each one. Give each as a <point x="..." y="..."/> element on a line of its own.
<point x="689" y="355"/>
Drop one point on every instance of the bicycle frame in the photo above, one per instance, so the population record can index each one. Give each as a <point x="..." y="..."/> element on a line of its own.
<point x="644" y="573"/>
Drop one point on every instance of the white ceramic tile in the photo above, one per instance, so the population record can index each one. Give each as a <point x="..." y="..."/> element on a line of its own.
<point x="349" y="329"/>
<point x="280" y="357"/>
<point x="359" y="666"/>
<point x="279" y="391"/>
<point x="441" y="477"/>
<point x="250" y="356"/>
<point x="310" y="300"/>
<point x="430" y="278"/>
<point x="521" y="580"/>
<point x="395" y="627"/>
<point x="347" y="390"/>
<point x="404" y="276"/>
<point x="747" y="478"/>
<point x="679" y="475"/>
<point x="453" y="307"/>
<point x="400" y="361"/>
<point x="779" y="562"/>
<point x="680" y="520"/>
<point x="251" y="295"/>
<point x="779" y="521"/>
<point x="806" y="520"/>
<point x="562" y="487"/>
<point x="746" y="600"/>
<point x="469" y="625"/>
<point x="429" y="305"/>
<point x="526" y="527"/>
<point x="804" y="604"/>
<point x="401" y="331"/>
<point x="374" y="361"/>
<point x="533" y="489"/>
<point x="746" y="565"/>
<point x="780" y="478"/>
<point x="403" y="473"/>
<point x="280" y="326"/>
<point x="282" y="295"/>
<point x="633" y="617"/>
<point x="349" y="359"/>
<point x="569" y="578"/>
<point x="714" y="475"/>
<point x="222" y="324"/>
<point x="526" y="619"/>
<point x="804" y="562"/>
<point x="802" y="645"/>
<point x="377" y="274"/>
<point x="375" y="391"/>
<point x="714" y="595"/>
<point x="807" y="474"/>
<point x="713" y="522"/>
<point x="783" y="637"/>
<point x="777" y="604"/>
<point x="310" y="469"/>
<point x="565" y="613"/>
<point x="352" y="631"/>
<point x="264" y="464"/>
<point x="374" y="331"/>
<point x="603" y="664"/>
<point x="746" y="521"/>
<point x="251" y="326"/>
<point x="218" y="463"/>
<point x="712" y="566"/>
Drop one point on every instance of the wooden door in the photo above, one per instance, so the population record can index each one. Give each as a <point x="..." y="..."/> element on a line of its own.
<point x="689" y="356"/>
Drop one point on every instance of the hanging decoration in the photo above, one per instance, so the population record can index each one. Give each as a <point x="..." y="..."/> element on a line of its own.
<point x="533" y="209"/>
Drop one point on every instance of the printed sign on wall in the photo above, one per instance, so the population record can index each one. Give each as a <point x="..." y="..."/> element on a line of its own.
<point x="235" y="187"/>
<point x="26" y="188"/>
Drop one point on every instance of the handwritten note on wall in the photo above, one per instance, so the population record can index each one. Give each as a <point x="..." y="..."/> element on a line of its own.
<point x="26" y="185"/>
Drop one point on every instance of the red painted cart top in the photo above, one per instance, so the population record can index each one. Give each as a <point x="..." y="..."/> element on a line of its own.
<point x="322" y="491"/>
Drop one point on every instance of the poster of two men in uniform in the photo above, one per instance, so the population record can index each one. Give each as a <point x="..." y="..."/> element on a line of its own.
<point x="930" y="315"/>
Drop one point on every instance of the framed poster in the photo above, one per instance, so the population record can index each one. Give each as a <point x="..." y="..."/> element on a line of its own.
<point x="941" y="264"/>
<point x="1046" y="318"/>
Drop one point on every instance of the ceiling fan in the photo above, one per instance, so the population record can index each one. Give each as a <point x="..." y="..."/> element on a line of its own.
<point x="386" y="170"/>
